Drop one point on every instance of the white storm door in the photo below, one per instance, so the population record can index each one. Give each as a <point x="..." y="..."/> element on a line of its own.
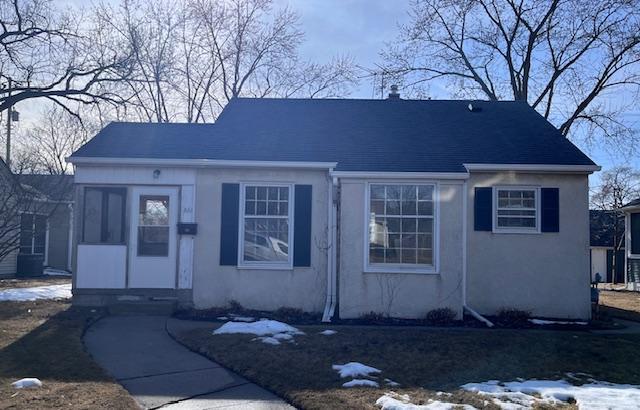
<point x="153" y="238"/>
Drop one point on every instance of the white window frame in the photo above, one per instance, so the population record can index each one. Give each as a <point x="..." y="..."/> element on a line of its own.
<point x="399" y="267"/>
<point x="276" y="265"/>
<point x="496" y="228"/>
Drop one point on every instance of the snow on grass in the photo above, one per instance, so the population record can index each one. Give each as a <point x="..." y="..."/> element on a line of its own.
<point x="268" y="331"/>
<point x="39" y="292"/>
<point x="555" y="322"/>
<point x="26" y="383"/>
<point x="360" y="383"/>
<point x="527" y="393"/>
<point x="353" y="369"/>
<point x="242" y="318"/>
<point x="55" y="272"/>
<point x="394" y="401"/>
<point x="328" y="332"/>
<point x="391" y="383"/>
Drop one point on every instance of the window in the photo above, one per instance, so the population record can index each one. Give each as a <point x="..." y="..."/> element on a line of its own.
<point x="153" y="225"/>
<point x="516" y="209"/>
<point x="104" y="213"/>
<point x="33" y="234"/>
<point x="401" y="226"/>
<point x="266" y="225"/>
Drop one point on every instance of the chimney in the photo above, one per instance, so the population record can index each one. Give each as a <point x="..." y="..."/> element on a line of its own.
<point x="394" y="94"/>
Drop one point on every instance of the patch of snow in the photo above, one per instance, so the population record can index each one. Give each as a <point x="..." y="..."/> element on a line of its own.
<point x="328" y="332"/>
<point x="243" y="318"/>
<point x="555" y="322"/>
<point x="261" y="328"/>
<point x="269" y="340"/>
<point x="390" y="382"/>
<point x="222" y="318"/>
<point x="394" y="401"/>
<point x="525" y="394"/>
<point x="39" y="292"/>
<point x="26" y="383"/>
<point x="55" y="272"/>
<point x="360" y="382"/>
<point x="283" y="336"/>
<point x="353" y="369"/>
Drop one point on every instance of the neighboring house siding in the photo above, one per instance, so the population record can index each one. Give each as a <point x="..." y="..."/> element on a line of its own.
<point x="59" y="220"/>
<point x="546" y="274"/>
<point x="405" y="295"/>
<point x="8" y="264"/>
<point x="267" y="289"/>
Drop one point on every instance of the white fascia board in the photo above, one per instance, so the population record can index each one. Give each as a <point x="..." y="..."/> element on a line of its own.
<point x="213" y="163"/>
<point x="535" y="168"/>
<point x="400" y="175"/>
<point x="630" y="208"/>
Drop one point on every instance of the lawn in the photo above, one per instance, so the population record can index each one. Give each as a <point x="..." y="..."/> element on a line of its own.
<point x="621" y="303"/>
<point x="43" y="339"/>
<point x="424" y="361"/>
<point x="32" y="282"/>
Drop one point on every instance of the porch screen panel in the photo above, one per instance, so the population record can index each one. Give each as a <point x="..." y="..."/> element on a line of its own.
<point x="153" y="226"/>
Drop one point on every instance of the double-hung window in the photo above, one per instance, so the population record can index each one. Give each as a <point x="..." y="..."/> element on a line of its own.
<point x="401" y="227"/>
<point x="516" y="209"/>
<point x="266" y="226"/>
<point x="104" y="215"/>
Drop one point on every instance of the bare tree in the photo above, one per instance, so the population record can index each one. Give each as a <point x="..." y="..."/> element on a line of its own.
<point x="44" y="147"/>
<point x="563" y="57"/>
<point x="618" y="186"/>
<point x="46" y="53"/>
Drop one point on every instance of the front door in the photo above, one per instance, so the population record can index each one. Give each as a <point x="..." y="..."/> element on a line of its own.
<point x="153" y="238"/>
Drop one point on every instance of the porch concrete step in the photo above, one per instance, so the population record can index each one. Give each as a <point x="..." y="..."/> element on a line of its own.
<point x="144" y="307"/>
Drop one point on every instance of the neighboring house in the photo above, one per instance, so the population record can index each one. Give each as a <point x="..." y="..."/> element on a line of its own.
<point x="43" y="223"/>
<point x="603" y="243"/>
<point x="632" y="224"/>
<point x="338" y="206"/>
<point x="7" y="182"/>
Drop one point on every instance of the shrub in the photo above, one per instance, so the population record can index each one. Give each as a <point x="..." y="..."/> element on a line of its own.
<point x="235" y="306"/>
<point x="288" y="313"/>
<point x="441" y="316"/>
<point x="513" y="317"/>
<point x="372" y="317"/>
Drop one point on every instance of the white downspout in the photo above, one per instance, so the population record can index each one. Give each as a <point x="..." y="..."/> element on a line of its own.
<point x="70" y="239"/>
<point x="465" y="214"/>
<point x="330" y="304"/>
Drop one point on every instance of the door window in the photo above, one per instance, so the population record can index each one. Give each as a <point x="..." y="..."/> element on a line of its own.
<point x="153" y="225"/>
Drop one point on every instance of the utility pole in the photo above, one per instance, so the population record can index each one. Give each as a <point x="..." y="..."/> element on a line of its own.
<point x="7" y="158"/>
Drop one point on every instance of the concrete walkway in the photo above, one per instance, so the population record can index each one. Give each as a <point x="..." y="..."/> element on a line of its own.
<point x="161" y="373"/>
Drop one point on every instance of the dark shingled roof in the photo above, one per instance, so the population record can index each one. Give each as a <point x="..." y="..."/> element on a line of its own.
<point x="361" y="135"/>
<point x="601" y="227"/>
<point x="55" y="187"/>
<point x="635" y="202"/>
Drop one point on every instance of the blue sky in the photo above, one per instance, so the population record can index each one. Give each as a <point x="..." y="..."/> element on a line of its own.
<point x="360" y="28"/>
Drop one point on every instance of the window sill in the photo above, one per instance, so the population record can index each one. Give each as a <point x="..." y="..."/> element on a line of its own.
<point x="516" y="231"/>
<point x="395" y="270"/>
<point x="265" y="267"/>
<point x="101" y="244"/>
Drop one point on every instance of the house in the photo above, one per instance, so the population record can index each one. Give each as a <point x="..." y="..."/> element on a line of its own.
<point x="632" y="233"/>
<point x="36" y="213"/>
<point x="606" y="236"/>
<point x="338" y="206"/>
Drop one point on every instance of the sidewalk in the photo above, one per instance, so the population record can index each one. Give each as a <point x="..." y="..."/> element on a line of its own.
<point x="160" y="373"/>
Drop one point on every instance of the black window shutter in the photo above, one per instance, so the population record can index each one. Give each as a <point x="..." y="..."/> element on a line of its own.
<point x="550" y="210"/>
<point x="635" y="233"/>
<point x="302" y="226"/>
<point x="483" y="209"/>
<point x="229" y="224"/>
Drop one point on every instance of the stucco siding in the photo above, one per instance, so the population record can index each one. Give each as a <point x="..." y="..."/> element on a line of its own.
<point x="405" y="295"/>
<point x="545" y="273"/>
<point x="215" y="285"/>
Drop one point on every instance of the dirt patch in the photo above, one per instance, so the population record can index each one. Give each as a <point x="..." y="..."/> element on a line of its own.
<point x="423" y="361"/>
<point x="43" y="339"/>
<point x="621" y="303"/>
<point x="33" y="282"/>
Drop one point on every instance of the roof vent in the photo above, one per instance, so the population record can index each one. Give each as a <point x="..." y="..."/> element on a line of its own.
<point x="473" y="108"/>
<point x="394" y="94"/>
